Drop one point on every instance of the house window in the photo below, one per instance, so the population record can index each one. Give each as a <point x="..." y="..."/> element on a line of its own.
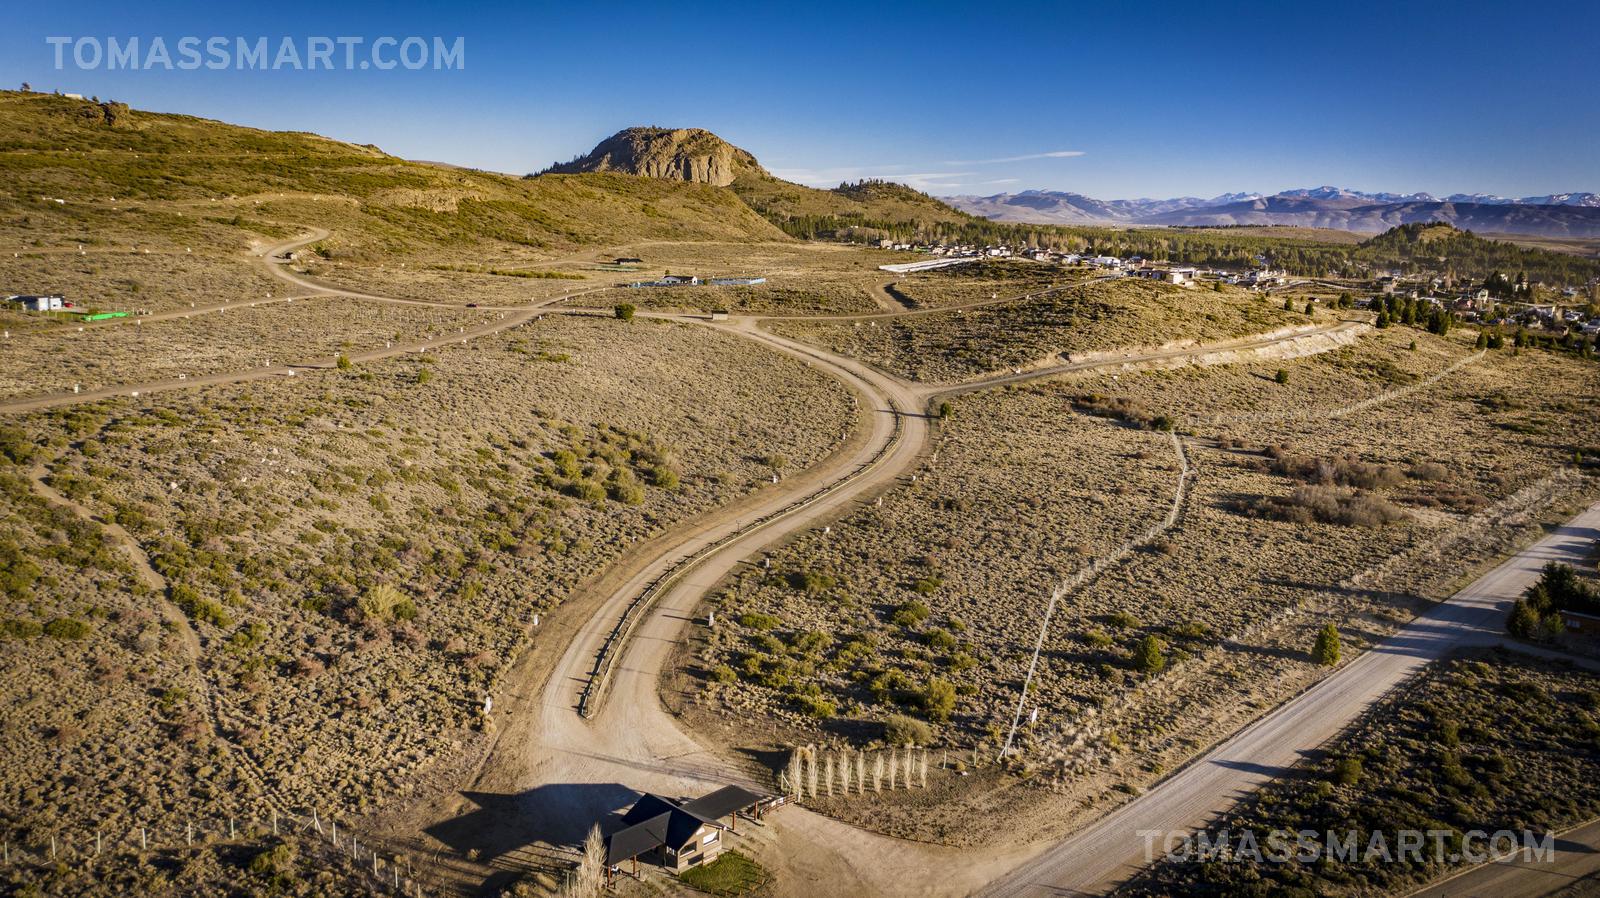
<point x="710" y="837"/>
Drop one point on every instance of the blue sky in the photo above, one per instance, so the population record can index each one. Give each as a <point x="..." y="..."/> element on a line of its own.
<point x="1109" y="99"/>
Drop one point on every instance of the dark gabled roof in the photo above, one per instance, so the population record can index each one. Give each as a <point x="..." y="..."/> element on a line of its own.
<point x="673" y="824"/>
<point x="636" y="840"/>
<point x="722" y="802"/>
<point x="654" y="821"/>
<point x="647" y="807"/>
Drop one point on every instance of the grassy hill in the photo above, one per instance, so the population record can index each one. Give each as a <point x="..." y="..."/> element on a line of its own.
<point x="92" y="154"/>
<point x="865" y="205"/>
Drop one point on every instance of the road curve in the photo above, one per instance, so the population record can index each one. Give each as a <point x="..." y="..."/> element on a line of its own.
<point x="1108" y="852"/>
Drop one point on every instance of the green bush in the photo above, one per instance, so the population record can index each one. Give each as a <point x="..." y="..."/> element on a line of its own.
<point x="910" y="614"/>
<point x="1326" y="651"/>
<point x="758" y="621"/>
<point x="15" y="445"/>
<point x="624" y="311"/>
<point x="900" y="729"/>
<point x="66" y="628"/>
<point x="586" y="490"/>
<point x="938" y="699"/>
<point x="627" y="492"/>
<point x="19" y="628"/>
<point x="1347" y="771"/>
<point x="384" y="602"/>
<point x="1150" y="656"/>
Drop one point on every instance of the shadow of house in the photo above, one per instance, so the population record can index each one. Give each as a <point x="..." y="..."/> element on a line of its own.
<point x="558" y="814"/>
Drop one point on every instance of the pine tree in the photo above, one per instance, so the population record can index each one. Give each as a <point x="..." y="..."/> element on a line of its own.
<point x="1150" y="657"/>
<point x="1326" y="651"/>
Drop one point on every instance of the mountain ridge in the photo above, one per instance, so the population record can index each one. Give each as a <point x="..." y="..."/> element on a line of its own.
<point x="1574" y="214"/>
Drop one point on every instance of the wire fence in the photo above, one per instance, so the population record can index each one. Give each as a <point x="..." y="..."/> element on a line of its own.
<point x="334" y="848"/>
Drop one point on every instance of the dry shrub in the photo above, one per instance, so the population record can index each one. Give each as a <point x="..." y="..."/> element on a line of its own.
<point x="1329" y="505"/>
<point x="1342" y="470"/>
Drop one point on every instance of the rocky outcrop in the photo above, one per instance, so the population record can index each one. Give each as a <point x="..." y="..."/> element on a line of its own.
<point x="675" y="154"/>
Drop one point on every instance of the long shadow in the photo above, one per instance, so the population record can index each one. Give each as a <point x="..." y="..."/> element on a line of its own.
<point x="559" y="814"/>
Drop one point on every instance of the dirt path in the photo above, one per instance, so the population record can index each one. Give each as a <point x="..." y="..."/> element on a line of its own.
<point x="173" y="616"/>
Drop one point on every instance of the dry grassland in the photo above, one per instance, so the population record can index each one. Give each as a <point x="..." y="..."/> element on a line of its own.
<point x="305" y="330"/>
<point x="1301" y="511"/>
<point x="1123" y="313"/>
<point x="343" y="564"/>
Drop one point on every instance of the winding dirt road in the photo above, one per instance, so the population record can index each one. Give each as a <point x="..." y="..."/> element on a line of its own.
<point x="552" y="772"/>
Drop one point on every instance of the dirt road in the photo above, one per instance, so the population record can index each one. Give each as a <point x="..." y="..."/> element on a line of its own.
<point x="1574" y="872"/>
<point x="1097" y="858"/>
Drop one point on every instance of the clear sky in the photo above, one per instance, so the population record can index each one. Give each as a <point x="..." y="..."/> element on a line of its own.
<point x="1114" y="100"/>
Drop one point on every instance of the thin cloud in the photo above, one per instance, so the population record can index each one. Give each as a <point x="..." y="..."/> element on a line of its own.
<point x="1053" y="154"/>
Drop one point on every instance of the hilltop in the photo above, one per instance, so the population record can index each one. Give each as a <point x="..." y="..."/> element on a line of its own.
<point x="699" y="156"/>
<point x="95" y="157"/>
<point x="674" y="154"/>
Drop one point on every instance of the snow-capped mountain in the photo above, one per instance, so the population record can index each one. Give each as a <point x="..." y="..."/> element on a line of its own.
<point x="1561" y="214"/>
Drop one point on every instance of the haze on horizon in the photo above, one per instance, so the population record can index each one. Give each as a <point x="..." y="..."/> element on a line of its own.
<point x="1158" y="101"/>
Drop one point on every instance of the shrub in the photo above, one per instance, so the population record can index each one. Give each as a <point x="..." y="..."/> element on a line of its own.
<point x="66" y="628"/>
<point x="1122" y="620"/>
<point x="812" y="583"/>
<point x="1347" y="771"/>
<point x="627" y="492"/>
<point x="275" y="863"/>
<point x="424" y="376"/>
<point x="19" y="628"/>
<point x="938" y="699"/>
<point x="900" y="729"/>
<point x="1326" y="650"/>
<point x="343" y="362"/>
<point x="586" y="490"/>
<point x="384" y="602"/>
<point x="927" y="585"/>
<point x="757" y="621"/>
<point x="816" y="706"/>
<point x="197" y="607"/>
<point x="624" y="311"/>
<point x="15" y="445"/>
<point x="722" y="673"/>
<point x="1282" y="376"/>
<point x="664" y="477"/>
<point x="940" y="638"/>
<point x="1150" y="656"/>
<point x="1330" y="505"/>
<point x="910" y="614"/>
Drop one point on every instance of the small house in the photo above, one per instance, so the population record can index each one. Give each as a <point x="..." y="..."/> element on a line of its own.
<point x="51" y="303"/>
<point x="737" y="282"/>
<point x="679" y="835"/>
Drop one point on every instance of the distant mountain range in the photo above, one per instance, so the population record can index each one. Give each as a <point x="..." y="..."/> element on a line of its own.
<point x="1554" y="215"/>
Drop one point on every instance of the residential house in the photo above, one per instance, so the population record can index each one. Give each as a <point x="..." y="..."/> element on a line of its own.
<point x="679" y="835"/>
<point x="51" y="303"/>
